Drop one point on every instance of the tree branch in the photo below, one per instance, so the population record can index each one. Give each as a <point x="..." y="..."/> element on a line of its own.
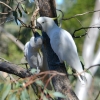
<point x="97" y="96"/>
<point x="80" y="14"/>
<point x="6" y="5"/>
<point x="12" y="38"/>
<point x="82" y="28"/>
<point x="13" y="69"/>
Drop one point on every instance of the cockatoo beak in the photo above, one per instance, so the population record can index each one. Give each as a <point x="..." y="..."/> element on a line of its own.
<point x="38" y="26"/>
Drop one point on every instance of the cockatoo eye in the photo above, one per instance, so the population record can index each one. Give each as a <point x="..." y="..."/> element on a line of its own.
<point x="42" y="22"/>
<point x="38" y="26"/>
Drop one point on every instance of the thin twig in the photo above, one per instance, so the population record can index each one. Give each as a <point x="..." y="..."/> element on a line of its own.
<point x="92" y="66"/>
<point x="97" y="96"/>
<point x="6" y="5"/>
<point x="80" y="23"/>
<point x="38" y="76"/>
<point x="2" y="23"/>
<point x="73" y="35"/>
<point x="33" y="19"/>
<point x="3" y="18"/>
<point x="4" y="60"/>
<point x="80" y="14"/>
<point x="6" y="20"/>
<point x="61" y="17"/>
<point x="48" y="81"/>
<point x="85" y="70"/>
<point x="3" y="13"/>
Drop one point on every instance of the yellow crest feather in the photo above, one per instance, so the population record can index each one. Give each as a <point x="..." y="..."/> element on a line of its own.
<point x="56" y="17"/>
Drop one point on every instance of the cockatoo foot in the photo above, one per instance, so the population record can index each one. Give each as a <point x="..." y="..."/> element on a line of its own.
<point x="82" y="79"/>
<point x="33" y="70"/>
<point x="38" y="70"/>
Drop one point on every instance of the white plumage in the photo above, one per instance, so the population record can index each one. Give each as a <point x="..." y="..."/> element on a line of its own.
<point x="62" y="43"/>
<point x="31" y="52"/>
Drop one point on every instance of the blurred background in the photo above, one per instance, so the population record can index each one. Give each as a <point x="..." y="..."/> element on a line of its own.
<point x="10" y="51"/>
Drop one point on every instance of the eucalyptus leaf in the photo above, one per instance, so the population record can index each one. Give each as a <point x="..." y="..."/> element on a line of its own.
<point x="89" y="72"/>
<point x="15" y="16"/>
<point x="24" y="95"/>
<point x="33" y="70"/>
<point x="81" y="59"/>
<point x="58" y="94"/>
<point x="24" y="8"/>
<point x="32" y="94"/>
<point x="39" y="82"/>
<point x="69" y="70"/>
<point x="12" y="97"/>
<point x="20" y="12"/>
<point x="6" y="87"/>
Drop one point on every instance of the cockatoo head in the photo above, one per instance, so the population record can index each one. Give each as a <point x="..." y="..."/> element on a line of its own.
<point x="45" y="23"/>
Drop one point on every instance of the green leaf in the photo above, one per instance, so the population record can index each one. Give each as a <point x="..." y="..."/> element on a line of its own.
<point x="81" y="59"/>
<point x="58" y="94"/>
<point x="24" y="8"/>
<point x="20" y="12"/>
<point x="44" y="98"/>
<point x="89" y="72"/>
<point x="12" y="97"/>
<point x="1" y="85"/>
<point x="69" y="70"/>
<point x="39" y="82"/>
<point x="5" y="90"/>
<point x="24" y="95"/>
<point x="15" y="16"/>
<point x="32" y="94"/>
<point x="33" y="70"/>
<point x="19" y="84"/>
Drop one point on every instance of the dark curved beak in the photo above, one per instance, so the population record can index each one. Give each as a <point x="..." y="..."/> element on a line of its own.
<point x="38" y="26"/>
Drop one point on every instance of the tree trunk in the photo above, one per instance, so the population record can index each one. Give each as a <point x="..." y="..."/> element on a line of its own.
<point x="88" y="53"/>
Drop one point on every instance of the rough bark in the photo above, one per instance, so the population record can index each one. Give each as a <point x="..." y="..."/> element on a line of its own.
<point x="13" y="69"/>
<point x="61" y="83"/>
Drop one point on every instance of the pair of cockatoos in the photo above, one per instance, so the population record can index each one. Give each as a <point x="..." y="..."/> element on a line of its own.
<point x="61" y="42"/>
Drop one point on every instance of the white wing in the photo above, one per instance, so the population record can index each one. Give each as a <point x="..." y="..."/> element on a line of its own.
<point x="31" y="52"/>
<point x="63" y="45"/>
<point x="26" y="50"/>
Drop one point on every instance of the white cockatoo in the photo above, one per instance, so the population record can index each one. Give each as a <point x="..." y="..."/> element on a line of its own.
<point x="62" y="44"/>
<point x="32" y="54"/>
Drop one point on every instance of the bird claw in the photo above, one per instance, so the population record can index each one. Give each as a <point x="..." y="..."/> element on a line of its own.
<point x="33" y="70"/>
<point x="82" y="79"/>
<point x="38" y="70"/>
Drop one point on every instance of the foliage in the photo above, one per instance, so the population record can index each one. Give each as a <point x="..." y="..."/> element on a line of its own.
<point x="30" y="88"/>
